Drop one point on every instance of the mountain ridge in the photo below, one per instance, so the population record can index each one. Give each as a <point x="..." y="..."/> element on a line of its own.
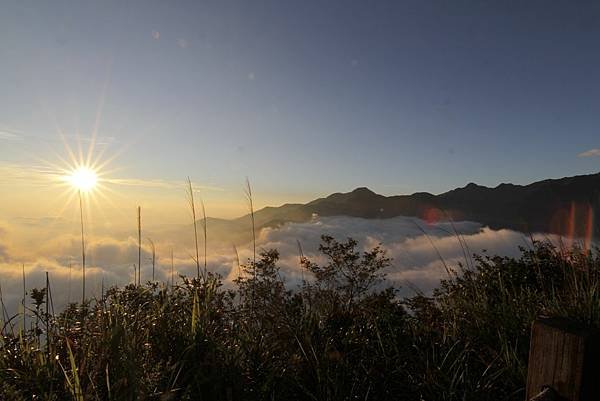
<point x="561" y="206"/>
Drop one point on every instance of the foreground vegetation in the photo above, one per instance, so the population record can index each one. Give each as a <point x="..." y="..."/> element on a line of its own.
<point x="343" y="335"/>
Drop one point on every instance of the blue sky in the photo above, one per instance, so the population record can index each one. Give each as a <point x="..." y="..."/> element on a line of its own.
<point x="307" y="97"/>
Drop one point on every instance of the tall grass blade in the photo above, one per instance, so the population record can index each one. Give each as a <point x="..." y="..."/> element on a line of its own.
<point x="72" y="379"/>
<point x="192" y="204"/>
<point x="82" y="248"/>
<point x="139" y="226"/>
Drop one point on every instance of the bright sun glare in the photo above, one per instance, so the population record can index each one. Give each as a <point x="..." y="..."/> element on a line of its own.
<point x="83" y="179"/>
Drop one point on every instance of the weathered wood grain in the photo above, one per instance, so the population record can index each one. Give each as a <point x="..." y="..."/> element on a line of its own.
<point x="565" y="356"/>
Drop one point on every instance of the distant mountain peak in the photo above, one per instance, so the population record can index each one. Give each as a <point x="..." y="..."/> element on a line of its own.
<point x="363" y="190"/>
<point x="472" y="185"/>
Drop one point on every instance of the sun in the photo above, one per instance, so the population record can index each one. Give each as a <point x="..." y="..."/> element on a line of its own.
<point x="82" y="175"/>
<point x="83" y="179"/>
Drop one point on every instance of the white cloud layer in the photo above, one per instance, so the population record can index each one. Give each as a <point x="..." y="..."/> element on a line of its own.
<point x="412" y="243"/>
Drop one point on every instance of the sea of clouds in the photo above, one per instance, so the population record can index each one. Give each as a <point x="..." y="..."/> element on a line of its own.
<point x="418" y="250"/>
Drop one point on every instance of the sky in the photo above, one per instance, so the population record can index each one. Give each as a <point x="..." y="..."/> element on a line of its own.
<point x="305" y="98"/>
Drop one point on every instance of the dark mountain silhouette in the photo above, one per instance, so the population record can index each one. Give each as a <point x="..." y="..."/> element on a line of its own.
<point x="562" y="206"/>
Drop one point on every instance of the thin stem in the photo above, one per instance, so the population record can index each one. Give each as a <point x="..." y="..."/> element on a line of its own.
<point x="301" y="260"/>
<point x="251" y="208"/>
<point x="24" y="294"/>
<point x="153" y="257"/>
<point x="48" y="337"/>
<point x="237" y="258"/>
<point x="139" y="266"/>
<point x="82" y="247"/>
<point x="5" y="318"/>
<point x="172" y="278"/>
<point x="69" y="287"/>
<point x="205" y="235"/>
<point x="193" y="209"/>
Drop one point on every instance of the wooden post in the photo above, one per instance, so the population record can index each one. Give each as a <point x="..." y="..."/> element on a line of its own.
<point x="566" y="357"/>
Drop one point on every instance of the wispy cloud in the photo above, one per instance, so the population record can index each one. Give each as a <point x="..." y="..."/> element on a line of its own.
<point x="13" y="135"/>
<point x="98" y="140"/>
<point x="9" y="136"/>
<point x="590" y="153"/>
<point x="36" y="221"/>
<point x="156" y="183"/>
<point x="29" y="175"/>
